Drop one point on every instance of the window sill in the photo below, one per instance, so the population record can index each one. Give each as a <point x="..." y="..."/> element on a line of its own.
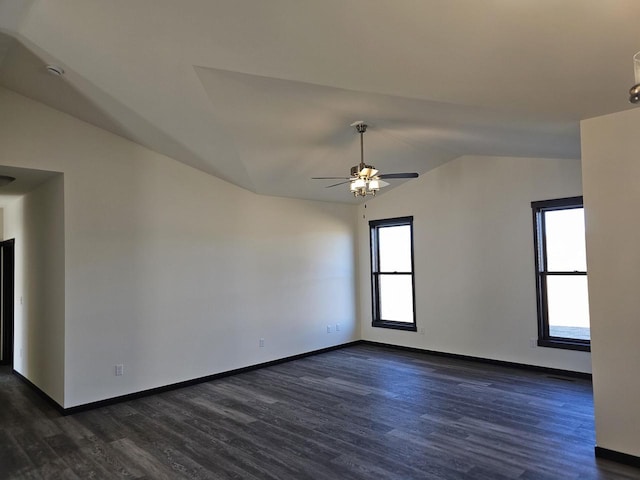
<point x="411" y="327"/>
<point x="565" y="343"/>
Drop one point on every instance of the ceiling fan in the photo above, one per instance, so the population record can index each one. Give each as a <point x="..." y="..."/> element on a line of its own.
<point x="364" y="179"/>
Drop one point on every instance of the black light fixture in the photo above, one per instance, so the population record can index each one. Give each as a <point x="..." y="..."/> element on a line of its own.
<point x="55" y="70"/>
<point x="6" y="180"/>
<point x="634" y="92"/>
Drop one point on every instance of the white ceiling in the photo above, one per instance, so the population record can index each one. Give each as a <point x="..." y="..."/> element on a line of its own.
<point x="261" y="93"/>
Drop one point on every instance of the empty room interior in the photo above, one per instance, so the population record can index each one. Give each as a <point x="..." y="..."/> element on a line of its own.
<point x="319" y="239"/>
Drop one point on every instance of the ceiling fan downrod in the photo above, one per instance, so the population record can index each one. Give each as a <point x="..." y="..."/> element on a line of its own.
<point x="359" y="170"/>
<point x="361" y="128"/>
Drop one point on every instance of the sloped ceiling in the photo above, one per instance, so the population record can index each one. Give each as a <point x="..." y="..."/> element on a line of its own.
<point x="262" y="93"/>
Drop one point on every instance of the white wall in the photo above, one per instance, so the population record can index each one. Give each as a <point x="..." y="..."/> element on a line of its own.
<point x="474" y="258"/>
<point x="36" y="222"/>
<point x="611" y="174"/>
<point x="172" y="272"/>
<point x="177" y="274"/>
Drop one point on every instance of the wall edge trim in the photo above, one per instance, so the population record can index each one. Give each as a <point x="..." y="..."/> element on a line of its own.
<point x="522" y="366"/>
<point x="174" y="386"/>
<point x="616" y="456"/>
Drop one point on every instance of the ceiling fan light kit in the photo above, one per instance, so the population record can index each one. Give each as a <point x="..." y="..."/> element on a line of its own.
<point x="365" y="179"/>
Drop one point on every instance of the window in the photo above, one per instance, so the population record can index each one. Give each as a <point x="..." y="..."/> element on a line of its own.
<point x="561" y="274"/>
<point x="392" y="282"/>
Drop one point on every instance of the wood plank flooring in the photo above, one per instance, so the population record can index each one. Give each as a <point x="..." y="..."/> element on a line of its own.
<point x="362" y="412"/>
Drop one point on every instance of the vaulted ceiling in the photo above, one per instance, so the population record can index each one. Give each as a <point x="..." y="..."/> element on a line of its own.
<point x="262" y="93"/>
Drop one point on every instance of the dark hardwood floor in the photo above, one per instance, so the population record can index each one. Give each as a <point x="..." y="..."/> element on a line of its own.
<point x="362" y="412"/>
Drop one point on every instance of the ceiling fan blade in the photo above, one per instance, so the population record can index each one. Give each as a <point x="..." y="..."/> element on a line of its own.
<point x="330" y="178"/>
<point x="336" y="184"/>
<point x="398" y="175"/>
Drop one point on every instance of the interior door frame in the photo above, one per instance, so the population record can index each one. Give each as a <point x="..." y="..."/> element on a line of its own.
<point x="7" y="287"/>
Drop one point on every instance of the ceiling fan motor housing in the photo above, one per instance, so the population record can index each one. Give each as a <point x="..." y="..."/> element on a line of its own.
<point x="356" y="169"/>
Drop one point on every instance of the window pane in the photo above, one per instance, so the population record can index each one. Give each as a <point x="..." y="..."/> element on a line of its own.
<point x="394" y="248"/>
<point x="565" y="240"/>
<point x="396" y="298"/>
<point x="568" y="305"/>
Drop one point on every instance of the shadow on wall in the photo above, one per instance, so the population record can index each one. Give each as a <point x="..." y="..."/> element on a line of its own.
<point x="36" y="221"/>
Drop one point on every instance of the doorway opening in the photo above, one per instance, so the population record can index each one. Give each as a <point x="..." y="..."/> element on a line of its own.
<point x="7" y="265"/>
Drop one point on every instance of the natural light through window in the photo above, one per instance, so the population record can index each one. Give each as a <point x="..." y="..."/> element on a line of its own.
<point x="396" y="299"/>
<point x="392" y="273"/>
<point x="568" y="301"/>
<point x="394" y="244"/>
<point x="561" y="264"/>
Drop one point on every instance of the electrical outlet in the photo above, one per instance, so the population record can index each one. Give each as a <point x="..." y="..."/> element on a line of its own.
<point x="119" y="370"/>
<point x="262" y="342"/>
<point x="422" y="331"/>
<point x="328" y="328"/>
<point x="337" y="327"/>
<point x="532" y="342"/>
